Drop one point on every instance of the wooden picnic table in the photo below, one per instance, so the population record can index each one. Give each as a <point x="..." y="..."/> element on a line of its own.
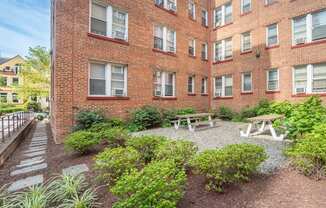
<point x="266" y="121"/>
<point x="194" y="117"/>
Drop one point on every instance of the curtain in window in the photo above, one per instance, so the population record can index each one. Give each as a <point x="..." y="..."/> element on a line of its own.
<point x="228" y="48"/>
<point x="300" y="78"/>
<point x="158" y="37"/>
<point x="117" y="80"/>
<point x="319" y="78"/>
<point x="300" y="30"/>
<point x="98" y="19"/>
<point x="97" y="79"/>
<point x="319" y="25"/>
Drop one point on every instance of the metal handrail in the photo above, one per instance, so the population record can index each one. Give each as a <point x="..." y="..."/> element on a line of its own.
<point x="12" y="122"/>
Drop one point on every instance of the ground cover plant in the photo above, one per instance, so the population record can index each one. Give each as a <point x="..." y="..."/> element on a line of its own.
<point x="81" y="141"/>
<point x="86" y="118"/>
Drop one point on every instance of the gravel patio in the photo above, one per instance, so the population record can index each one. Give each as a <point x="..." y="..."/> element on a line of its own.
<point x="223" y="134"/>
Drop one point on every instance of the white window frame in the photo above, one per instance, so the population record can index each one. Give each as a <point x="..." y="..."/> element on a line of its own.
<point x="206" y="51"/>
<point x="193" y="43"/>
<point x="242" y="5"/>
<point x="206" y="17"/>
<point x="165" y="37"/>
<point x="267" y="35"/>
<point x="223" y="85"/>
<point x="168" y="6"/>
<point x="309" y="28"/>
<point x="242" y="42"/>
<point x="269" y="3"/>
<point x="192" y="4"/>
<point x="204" y="86"/>
<point x="223" y="42"/>
<point x="163" y="76"/>
<point x="192" y="84"/>
<point x="242" y="82"/>
<point x="278" y="80"/>
<point x="108" y="80"/>
<point x="222" y="8"/>
<point x="109" y="19"/>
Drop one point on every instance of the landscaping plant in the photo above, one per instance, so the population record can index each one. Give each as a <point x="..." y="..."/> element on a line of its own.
<point x="81" y="141"/>
<point x="34" y="197"/>
<point x="115" y="137"/>
<point x="146" y="146"/>
<point x="231" y="164"/>
<point x="160" y="184"/>
<point x="113" y="163"/>
<point x="145" y="117"/>
<point x="225" y="113"/>
<point x="85" y="119"/>
<point x="111" y="123"/>
<point x="86" y="199"/>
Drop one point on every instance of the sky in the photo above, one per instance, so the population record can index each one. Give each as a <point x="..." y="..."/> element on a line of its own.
<point x="23" y="24"/>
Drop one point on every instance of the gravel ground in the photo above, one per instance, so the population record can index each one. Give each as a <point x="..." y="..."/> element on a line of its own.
<point x="224" y="134"/>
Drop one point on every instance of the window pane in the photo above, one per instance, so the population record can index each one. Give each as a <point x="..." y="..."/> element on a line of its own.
<point x="119" y="24"/>
<point x="272" y="35"/>
<point x="98" y="71"/>
<point x="300" y="30"/>
<point x="218" y="17"/>
<point x="319" y="78"/>
<point x="246" y="6"/>
<point x="218" y="86"/>
<point x="170" y="40"/>
<point x="204" y="17"/>
<point x="203" y="85"/>
<point x="99" y="12"/>
<point x="228" y="48"/>
<point x="169" y="84"/>
<point x="97" y="79"/>
<point x="158" y="37"/>
<point x="273" y="75"/>
<point x="98" y="26"/>
<point x="157" y="84"/>
<point x="218" y="51"/>
<point x="3" y="97"/>
<point x="228" y="13"/>
<point x="319" y="25"/>
<point x="272" y="80"/>
<point x="228" y="85"/>
<point x="190" y="84"/>
<point x="159" y="2"/>
<point x="246" y="42"/>
<point x="247" y="82"/>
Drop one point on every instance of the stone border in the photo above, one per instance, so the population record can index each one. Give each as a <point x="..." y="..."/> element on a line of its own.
<point x="13" y="142"/>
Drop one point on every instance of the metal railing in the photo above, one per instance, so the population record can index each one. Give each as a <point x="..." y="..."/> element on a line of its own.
<point x="10" y="123"/>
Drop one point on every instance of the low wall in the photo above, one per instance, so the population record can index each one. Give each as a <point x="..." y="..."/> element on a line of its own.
<point x="14" y="141"/>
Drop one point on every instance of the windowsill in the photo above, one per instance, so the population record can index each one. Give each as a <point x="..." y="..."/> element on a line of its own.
<point x="308" y="94"/>
<point x="107" y="98"/>
<point x="219" y="27"/>
<point x="316" y="42"/>
<point x="272" y="47"/>
<point x="191" y="56"/>
<point x="206" y="60"/>
<point x="101" y="37"/>
<point x="191" y="18"/>
<point x="267" y="5"/>
<point x="164" y="98"/>
<point x="166" y="10"/>
<point x="224" y="61"/>
<point x="246" y="52"/>
<point x="223" y="98"/>
<point x="204" y="94"/>
<point x="272" y="92"/>
<point x="164" y="52"/>
<point x="191" y="94"/>
<point x="246" y="13"/>
<point x="247" y="93"/>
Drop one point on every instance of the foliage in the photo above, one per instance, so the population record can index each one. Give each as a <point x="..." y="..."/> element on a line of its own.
<point x="113" y="163"/>
<point x="85" y="119"/>
<point x="40" y="117"/>
<point x="35" y="74"/>
<point x="81" y="141"/>
<point x="9" y="109"/>
<point x="232" y="164"/>
<point x="160" y="184"/>
<point x="34" y="106"/>
<point x="146" y="146"/>
<point x="181" y="152"/>
<point x="115" y="137"/>
<point x="225" y="113"/>
<point x="2" y="81"/>
<point x="84" y="200"/>
<point x="309" y="153"/>
<point x="146" y="117"/>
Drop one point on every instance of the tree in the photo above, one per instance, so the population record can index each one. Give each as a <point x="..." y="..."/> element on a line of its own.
<point x="35" y="74"/>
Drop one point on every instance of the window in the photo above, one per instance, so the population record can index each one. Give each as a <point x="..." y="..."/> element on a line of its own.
<point x="269" y="2"/>
<point x="3" y="97"/>
<point x="191" y="84"/>
<point x="309" y="78"/>
<point x="192" y="47"/>
<point x="108" y="80"/>
<point x="204" y="51"/>
<point x="109" y="21"/>
<point x="167" y="4"/>
<point x="245" y="6"/>
<point x="272" y="80"/>
<point x="191" y="9"/>
<point x="164" y="84"/>
<point x="204" y="17"/>
<point x="245" y="42"/>
<point x="223" y="15"/>
<point x="309" y="28"/>
<point x="223" y="86"/>
<point x="15" y="98"/>
<point x="272" y="35"/>
<point x="15" y="80"/>
<point x="247" y="82"/>
<point x="223" y="50"/>
<point x="204" y="85"/>
<point x="3" y="81"/>
<point x="164" y="39"/>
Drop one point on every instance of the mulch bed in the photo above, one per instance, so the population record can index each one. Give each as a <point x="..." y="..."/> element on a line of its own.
<point x="284" y="189"/>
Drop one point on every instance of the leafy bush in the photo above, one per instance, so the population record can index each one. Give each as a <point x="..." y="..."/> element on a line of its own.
<point x="11" y="109"/>
<point x="81" y="141"/>
<point x="283" y="108"/>
<point x="146" y="146"/>
<point x="225" y="113"/>
<point x="263" y="107"/>
<point x="85" y="119"/>
<point x="115" y="137"/>
<point x="309" y="153"/>
<point x="35" y="196"/>
<point x="232" y="164"/>
<point x="181" y="152"/>
<point x="111" y="123"/>
<point x="159" y="185"/>
<point x="113" y="163"/>
<point x="34" y="106"/>
<point x="40" y="117"/>
<point x="146" y="117"/>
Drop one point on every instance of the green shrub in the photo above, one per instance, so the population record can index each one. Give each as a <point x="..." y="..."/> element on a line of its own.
<point x="283" y="108"/>
<point x="181" y="152"/>
<point x="232" y="164"/>
<point x="85" y="119"/>
<point x="225" y="113"/>
<point x="160" y="184"/>
<point x="309" y="153"/>
<point x="146" y="146"/>
<point x="146" y="117"/>
<point x="40" y="117"/>
<point x="34" y="106"/>
<point x="263" y="107"/>
<point x="115" y="137"/>
<point x="81" y="141"/>
<point x="111" y="123"/>
<point x="248" y="113"/>
<point x="113" y="163"/>
<point x="11" y="109"/>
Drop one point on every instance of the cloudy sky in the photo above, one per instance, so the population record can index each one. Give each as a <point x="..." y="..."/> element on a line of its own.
<point x="23" y="24"/>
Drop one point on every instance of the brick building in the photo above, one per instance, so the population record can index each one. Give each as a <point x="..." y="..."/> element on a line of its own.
<point x="116" y="55"/>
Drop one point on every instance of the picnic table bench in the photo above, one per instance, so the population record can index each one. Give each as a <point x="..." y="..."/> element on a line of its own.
<point x="194" y="120"/>
<point x="266" y="121"/>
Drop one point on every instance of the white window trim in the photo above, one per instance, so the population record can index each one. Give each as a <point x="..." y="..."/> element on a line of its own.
<point x="278" y="80"/>
<point x="193" y="8"/>
<point x="223" y="14"/>
<point x="241" y="7"/>
<point x="206" y="17"/>
<point x="205" y="86"/>
<point x="223" y="86"/>
<point x="223" y="50"/>
<point x="192" y="84"/>
<point x="109" y="16"/>
<point x="206" y="51"/>
<point x="163" y="74"/>
<point x="242" y="42"/>
<point x="194" y="46"/>
<point x="108" y="81"/>
<point x="242" y="82"/>
<point x="166" y="6"/>
<point x="165" y="32"/>
<point x="267" y="35"/>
